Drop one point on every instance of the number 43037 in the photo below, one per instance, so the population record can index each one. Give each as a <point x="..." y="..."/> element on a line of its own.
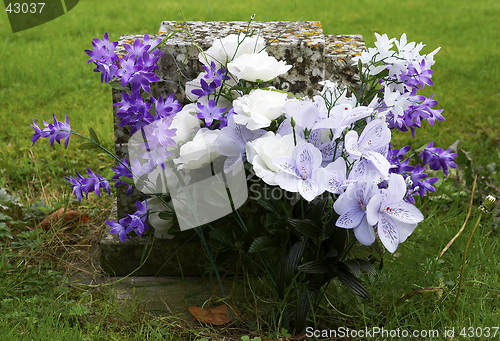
<point x="25" y="7"/>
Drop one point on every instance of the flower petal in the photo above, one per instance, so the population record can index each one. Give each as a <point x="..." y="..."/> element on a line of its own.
<point x="351" y="218"/>
<point x="364" y="233"/>
<point x="351" y="144"/>
<point x="404" y="212"/>
<point x="380" y="162"/>
<point x="388" y="233"/>
<point x="374" y="136"/>
<point x="287" y="181"/>
<point x="308" y="189"/>
<point x="405" y="230"/>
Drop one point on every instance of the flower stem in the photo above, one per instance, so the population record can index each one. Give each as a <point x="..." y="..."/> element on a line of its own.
<point x="463" y="266"/>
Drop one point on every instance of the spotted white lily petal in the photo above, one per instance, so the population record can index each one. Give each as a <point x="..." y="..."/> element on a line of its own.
<point x="308" y="189"/>
<point x="388" y="233"/>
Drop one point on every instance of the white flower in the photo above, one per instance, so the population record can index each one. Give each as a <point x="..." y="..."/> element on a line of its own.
<point x="257" y="66"/>
<point x="185" y="123"/>
<point x="396" y="218"/>
<point x="374" y="138"/>
<point x="257" y="109"/>
<point x="161" y="226"/>
<point x="301" y="172"/>
<point x="198" y="152"/>
<point x="226" y="49"/>
<point x="260" y="154"/>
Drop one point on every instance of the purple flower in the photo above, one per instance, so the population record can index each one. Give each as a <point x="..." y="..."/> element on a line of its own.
<point x="123" y="170"/>
<point x="215" y="74"/>
<point x="132" y="104"/>
<point x="132" y="222"/>
<point x="104" y="57"/>
<point x="83" y="185"/>
<point x="159" y="132"/>
<point x="210" y="112"/>
<point x="93" y="183"/>
<point x="103" y="51"/>
<point x="54" y="131"/>
<point x="148" y="63"/>
<point x="134" y="111"/>
<point x="122" y="228"/>
<point x="424" y="76"/>
<point x="127" y="70"/>
<point x="438" y="159"/>
<point x="166" y="108"/>
<point x="206" y="88"/>
<point x="138" y="66"/>
<point x="76" y="184"/>
<point x="211" y="80"/>
<point x="420" y="109"/>
<point x="137" y="50"/>
<point x="395" y="157"/>
<point x="153" y="44"/>
<point x="419" y="182"/>
<point x="374" y="137"/>
<point x="107" y="71"/>
<point x="38" y="132"/>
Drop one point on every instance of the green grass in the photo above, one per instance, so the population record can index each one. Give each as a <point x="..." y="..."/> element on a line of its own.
<point x="44" y="71"/>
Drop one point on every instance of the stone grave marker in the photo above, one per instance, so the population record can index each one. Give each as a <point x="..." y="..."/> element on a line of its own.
<point x="314" y="56"/>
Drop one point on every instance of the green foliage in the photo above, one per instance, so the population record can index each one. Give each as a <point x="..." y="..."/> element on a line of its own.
<point x="247" y="338"/>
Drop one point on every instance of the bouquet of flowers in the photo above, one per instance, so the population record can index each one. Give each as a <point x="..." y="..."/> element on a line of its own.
<point x="315" y="168"/>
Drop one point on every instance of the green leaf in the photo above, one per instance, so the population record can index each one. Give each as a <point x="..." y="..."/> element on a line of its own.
<point x="315" y="267"/>
<point x="305" y="227"/>
<point x="360" y="69"/>
<point x="353" y="265"/>
<point x="288" y="266"/>
<point x="166" y="215"/>
<point x="352" y="283"/>
<point x="4" y="232"/>
<point x="266" y="204"/>
<point x="366" y="266"/>
<point x="317" y="212"/>
<point x="127" y="180"/>
<point x="304" y="304"/>
<point x="332" y="253"/>
<point x="382" y="74"/>
<point x="293" y="259"/>
<point x="221" y="237"/>
<point x="88" y="145"/>
<point x="261" y="244"/>
<point x="93" y="136"/>
<point x="117" y="85"/>
<point x="78" y="310"/>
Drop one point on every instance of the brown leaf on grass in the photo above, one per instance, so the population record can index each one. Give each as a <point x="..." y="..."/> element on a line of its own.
<point x="216" y="316"/>
<point x="63" y="217"/>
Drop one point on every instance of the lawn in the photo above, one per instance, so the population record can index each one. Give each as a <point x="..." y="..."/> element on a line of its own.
<point x="44" y="71"/>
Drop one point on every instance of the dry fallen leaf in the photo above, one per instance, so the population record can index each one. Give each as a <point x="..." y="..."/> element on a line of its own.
<point x="64" y="218"/>
<point x="216" y="316"/>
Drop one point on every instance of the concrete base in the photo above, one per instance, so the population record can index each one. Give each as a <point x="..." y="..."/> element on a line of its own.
<point x="175" y="257"/>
